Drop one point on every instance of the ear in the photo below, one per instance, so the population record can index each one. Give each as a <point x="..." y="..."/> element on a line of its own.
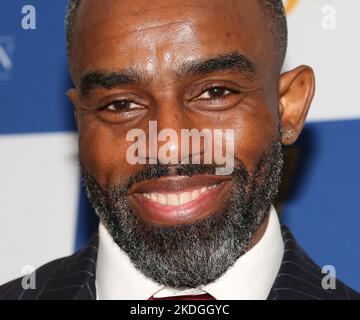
<point x="296" y="91"/>
<point x="71" y="93"/>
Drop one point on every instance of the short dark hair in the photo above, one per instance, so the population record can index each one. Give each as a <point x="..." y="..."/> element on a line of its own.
<point x="274" y="10"/>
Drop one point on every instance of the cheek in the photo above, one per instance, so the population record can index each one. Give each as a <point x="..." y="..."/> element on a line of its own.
<point x="255" y="131"/>
<point x="102" y="150"/>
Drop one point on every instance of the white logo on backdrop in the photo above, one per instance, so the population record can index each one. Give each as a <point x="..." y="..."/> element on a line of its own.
<point x="7" y="48"/>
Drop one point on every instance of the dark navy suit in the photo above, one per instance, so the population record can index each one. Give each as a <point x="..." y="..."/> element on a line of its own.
<point x="73" y="278"/>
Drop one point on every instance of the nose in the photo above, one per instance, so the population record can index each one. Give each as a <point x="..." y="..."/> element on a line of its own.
<point x="168" y="139"/>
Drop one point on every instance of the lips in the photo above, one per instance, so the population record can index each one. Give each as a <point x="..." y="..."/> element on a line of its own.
<point x="179" y="199"/>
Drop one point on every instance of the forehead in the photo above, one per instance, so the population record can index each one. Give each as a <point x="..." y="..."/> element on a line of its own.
<point x="159" y="35"/>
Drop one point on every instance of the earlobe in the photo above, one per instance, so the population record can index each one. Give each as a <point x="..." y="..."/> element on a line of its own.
<point x="296" y="91"/>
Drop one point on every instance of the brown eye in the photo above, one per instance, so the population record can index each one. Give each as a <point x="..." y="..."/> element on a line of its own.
<point x="215" y="93"/>
<point x="122" y="105"/>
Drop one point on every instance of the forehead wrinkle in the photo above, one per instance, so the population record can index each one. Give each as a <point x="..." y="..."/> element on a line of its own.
<point x="160" y="10"/>
<point x="151" y="26"/>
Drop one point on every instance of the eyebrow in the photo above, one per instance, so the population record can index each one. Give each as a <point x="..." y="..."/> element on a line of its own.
<point x="233" y="61"/>
<point x="108" y="80"/>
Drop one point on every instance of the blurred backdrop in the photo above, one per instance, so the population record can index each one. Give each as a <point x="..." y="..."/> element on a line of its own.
<point x="44" y="213"/>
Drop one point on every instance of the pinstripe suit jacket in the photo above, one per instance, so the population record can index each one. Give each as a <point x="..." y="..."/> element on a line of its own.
<point x="73" y="278"/>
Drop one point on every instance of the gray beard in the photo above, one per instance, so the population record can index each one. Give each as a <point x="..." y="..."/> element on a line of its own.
<point x="194" y="254"/>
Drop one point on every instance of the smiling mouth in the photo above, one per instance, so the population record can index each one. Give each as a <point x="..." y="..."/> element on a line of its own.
<point x="179" y="199"/>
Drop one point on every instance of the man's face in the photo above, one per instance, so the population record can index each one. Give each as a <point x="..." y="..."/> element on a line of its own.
<point x="209" y="65"/>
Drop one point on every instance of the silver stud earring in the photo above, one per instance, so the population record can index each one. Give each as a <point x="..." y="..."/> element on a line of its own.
<point x="287" y="134"/>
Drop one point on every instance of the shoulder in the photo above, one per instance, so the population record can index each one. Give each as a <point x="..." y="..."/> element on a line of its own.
<point x="16" y="289"/>
<point x="301" y="278"/>
<point x="63" y="278"/>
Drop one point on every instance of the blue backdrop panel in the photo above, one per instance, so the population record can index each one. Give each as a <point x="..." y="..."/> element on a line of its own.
<point x="33" y="96"/>
<point x="323" y="209"/>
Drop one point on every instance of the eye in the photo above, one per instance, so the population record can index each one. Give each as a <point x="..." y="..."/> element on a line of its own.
<point x="216" y="92"/>
<point x="121" y="109"/>
<point x="122" y="105"/>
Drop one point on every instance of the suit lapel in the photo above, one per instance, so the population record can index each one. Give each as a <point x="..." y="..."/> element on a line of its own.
<point x="74" y="279"/>
<point x="299" y="277"/>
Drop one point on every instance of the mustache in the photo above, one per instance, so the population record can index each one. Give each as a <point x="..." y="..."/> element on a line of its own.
<point x="159" y="170"/>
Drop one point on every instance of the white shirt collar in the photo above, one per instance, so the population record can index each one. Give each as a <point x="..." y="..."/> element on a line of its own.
<point x="250" y="278"/>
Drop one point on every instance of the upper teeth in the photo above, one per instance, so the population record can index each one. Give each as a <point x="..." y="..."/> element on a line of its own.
<point x="173" y="199"/>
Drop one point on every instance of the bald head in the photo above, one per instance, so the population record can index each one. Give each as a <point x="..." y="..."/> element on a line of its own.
<point x="274" y="15"/>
